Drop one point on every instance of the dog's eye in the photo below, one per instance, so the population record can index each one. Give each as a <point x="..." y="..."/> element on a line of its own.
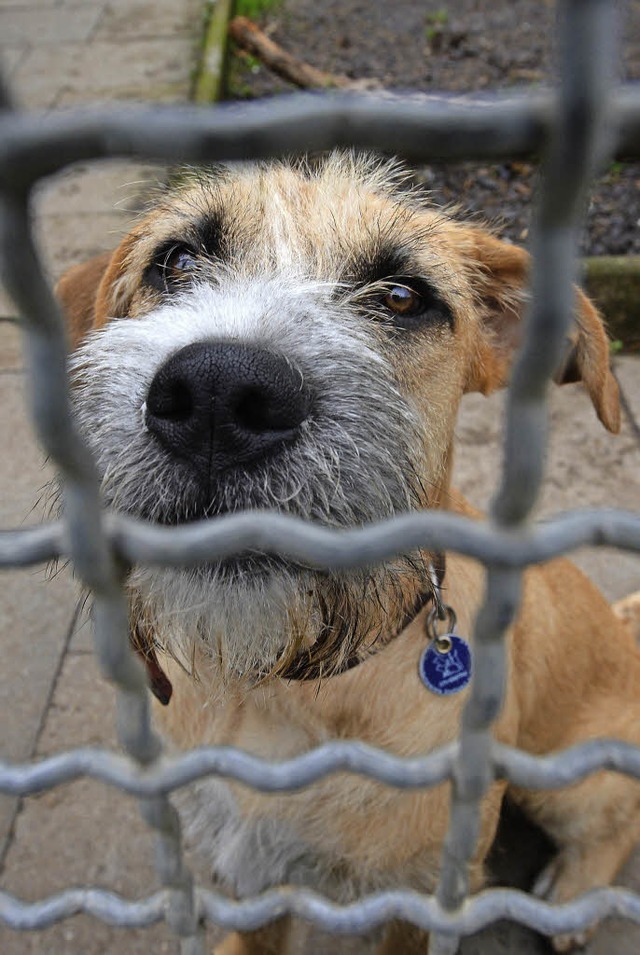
<point x="178" y="261"/>
<point x="413" y="300"/>
<point x="171" y="266"/>
<point x="402" y="300"/>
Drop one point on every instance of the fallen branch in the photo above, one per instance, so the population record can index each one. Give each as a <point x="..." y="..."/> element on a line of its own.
<point x="252" y="39"/>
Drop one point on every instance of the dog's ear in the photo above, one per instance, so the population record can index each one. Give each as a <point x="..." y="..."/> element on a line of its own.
<point x="77" y="291"/>
<point x="94" y="291"/>
<point x="500" y="273"/>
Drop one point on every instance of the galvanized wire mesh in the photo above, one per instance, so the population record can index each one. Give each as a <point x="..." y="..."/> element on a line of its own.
<point x="576" y="128"/>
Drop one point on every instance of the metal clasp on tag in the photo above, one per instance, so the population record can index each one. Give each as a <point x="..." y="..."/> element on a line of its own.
<point x="447" y="616"/>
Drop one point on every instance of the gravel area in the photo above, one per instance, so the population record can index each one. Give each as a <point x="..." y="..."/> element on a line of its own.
<point x="458" y="46"/>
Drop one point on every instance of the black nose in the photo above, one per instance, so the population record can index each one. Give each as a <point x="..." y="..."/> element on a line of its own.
<point x="219" y="404"/>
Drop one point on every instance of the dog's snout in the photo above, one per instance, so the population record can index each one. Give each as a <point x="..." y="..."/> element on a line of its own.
<point x="220" y="404"/>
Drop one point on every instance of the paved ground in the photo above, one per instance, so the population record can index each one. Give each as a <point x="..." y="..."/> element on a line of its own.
<point x="51" y="696"/>
<point x="58" y="54"/>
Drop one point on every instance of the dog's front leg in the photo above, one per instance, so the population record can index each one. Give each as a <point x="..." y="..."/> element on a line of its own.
<point x="279" y="938"/>
<point x="400" y="938"/>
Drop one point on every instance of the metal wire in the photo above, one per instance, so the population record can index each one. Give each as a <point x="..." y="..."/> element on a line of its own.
<point x="575" y="129"/>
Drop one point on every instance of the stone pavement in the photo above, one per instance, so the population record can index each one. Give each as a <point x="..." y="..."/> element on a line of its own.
<point x="57" y="54"/>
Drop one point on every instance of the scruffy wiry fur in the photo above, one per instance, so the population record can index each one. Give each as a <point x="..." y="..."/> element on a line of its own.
<point x="298" y="260"/>
<point x="355" y="462"/>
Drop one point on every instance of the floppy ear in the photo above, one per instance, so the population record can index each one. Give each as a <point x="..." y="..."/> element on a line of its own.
<point x="94" y="291"/>
<point x="500" y="273"/>
<point x="77" y="291"/>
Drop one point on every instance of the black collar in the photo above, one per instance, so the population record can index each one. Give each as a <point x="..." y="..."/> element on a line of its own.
<point x="300" y="668"/>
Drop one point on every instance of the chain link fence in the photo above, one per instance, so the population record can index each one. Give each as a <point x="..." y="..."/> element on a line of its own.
<point x="576" y="128"/>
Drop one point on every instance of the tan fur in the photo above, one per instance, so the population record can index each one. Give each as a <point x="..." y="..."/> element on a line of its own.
<point x="628" y="609"/>
<point x="77" y="291"/>
<point x="564" y="684"/>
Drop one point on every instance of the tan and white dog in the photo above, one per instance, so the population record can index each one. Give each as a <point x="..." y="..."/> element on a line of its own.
<point x="299" y="338"/>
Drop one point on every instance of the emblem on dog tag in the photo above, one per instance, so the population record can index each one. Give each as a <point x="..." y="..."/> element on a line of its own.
<point x="445" y="665"/>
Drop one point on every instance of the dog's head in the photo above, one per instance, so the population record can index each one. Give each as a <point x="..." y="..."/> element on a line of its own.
<point x="298" y="339"/>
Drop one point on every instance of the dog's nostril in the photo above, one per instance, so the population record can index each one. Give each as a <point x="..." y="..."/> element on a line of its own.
<point x="170" y="400"/>
<point x="222" y="404"/>
<point x="258" y="410"/>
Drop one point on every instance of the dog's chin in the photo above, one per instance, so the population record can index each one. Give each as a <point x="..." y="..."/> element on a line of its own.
<point x="239" y="615"/>
<point x="256" y="614"/>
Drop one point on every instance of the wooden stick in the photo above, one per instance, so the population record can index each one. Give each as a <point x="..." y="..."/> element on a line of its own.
<point x="252" y="39"/>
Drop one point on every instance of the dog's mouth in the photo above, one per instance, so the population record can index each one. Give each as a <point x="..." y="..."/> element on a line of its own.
<point x="197" y="504"/>
<point x="261" y="614"/>
<point x="224" y="429"/>
<point x="245" y="570"/>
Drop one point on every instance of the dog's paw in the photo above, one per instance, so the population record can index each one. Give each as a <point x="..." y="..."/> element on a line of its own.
<point x="546" y="887"/>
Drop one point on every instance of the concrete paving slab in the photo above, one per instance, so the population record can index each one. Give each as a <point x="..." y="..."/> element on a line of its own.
<point x="149" y="19"/>
<point x="32" y="96"/>
<point x="7" y="308"/>
<point x="34" y="5"/>
<point x="100" y="69"/>
<point x="66" y="236"/>
<point x="57" y="836"/>
<point x="94" y="833"/>
<point x="10" y="58"/>
<point x="586" y="466"/>
<point x="97" y="187"/>
<point x="35" y="613"/>
<point x="10" y="347"/>
<point x="81" y="713"/>
<point x="164" y="93"/>
<point x="35" y="617"/>
<point x="24" y="473"/>
<point x="48" y="24"/>
<point x="64" y="240"/>
<point x="81" y="640"/>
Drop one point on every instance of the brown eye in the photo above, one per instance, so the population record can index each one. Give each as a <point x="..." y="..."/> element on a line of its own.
<point x="413" y="302"/>
<point x="178" y="261"/>
<point x="171" y="266"/>
<point x="402" y="300"/>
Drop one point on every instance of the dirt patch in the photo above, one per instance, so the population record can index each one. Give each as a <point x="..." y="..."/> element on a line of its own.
<point x="457" y="45"/>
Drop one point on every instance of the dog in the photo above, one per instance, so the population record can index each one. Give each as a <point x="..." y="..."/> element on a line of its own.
<point x="297" y="336"/>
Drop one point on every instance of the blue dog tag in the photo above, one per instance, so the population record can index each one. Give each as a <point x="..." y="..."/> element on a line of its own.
<point x="445" y="665"/>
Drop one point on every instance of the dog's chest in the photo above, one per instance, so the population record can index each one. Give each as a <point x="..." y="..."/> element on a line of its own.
<point x="251" y="841"/>
<point x="248" y="852"/>
<point x="342" y="833"/>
